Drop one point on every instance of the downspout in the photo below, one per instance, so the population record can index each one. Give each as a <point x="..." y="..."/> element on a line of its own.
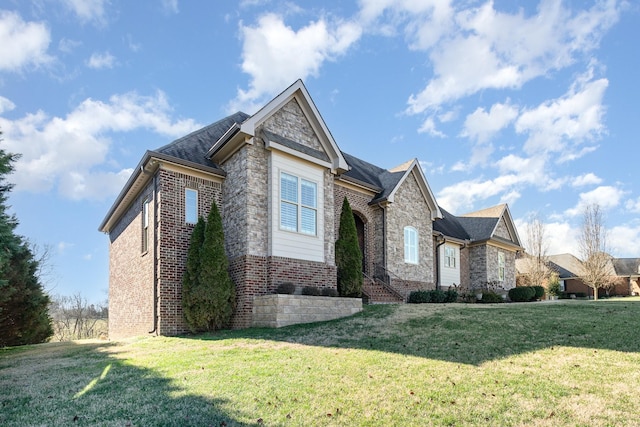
<point x="155" y="254"/>
<point x="438" y="237"/>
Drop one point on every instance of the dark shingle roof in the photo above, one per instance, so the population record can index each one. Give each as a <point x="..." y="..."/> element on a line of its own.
<point x="373" y="175"/>
<point x="626" y="266"/>
<point x="478" y="228"/>
<point x="194" y="146"/>
<point x="449" y="225"/>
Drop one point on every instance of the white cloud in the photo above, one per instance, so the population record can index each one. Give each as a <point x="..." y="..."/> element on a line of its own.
<point x="70" y="152"/>
<point x="275" y="55"/>
<point x="605" y="195"/>
<point x="424" y="21"/>
<point x="561" y="125"/>
<point x="101" y="60"/>
<point x="22" y="44"/>
<point x="68" y="45"/>
<point x="88" y="10"/>
<point x="429" y="126"/>
<point x="507" y="50"/>
<point x="6" y="105"/>
<point x="482" y="125"/>
<point x="586" y="179"/>
<point x="620" y="240"/>
<point x="633" y="205"/>
<point x="170" y="6"/>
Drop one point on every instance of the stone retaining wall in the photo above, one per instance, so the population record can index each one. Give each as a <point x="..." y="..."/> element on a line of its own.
<point x="283" y="310"/>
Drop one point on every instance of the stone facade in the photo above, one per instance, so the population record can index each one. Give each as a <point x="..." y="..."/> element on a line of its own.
<point x="409" y="209"/>
<point x="276" y="311"/>
<point x="483" y="266"/>
<point x="147" y="265"/>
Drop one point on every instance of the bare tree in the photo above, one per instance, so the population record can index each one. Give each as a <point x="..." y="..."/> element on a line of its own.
<point x="74" y="318"/>
<point x="537" y="246"/>
<point x="597" y="268"/>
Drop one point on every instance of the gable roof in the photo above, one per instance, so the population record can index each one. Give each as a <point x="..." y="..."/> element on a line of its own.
<point x="478" y="226"/>
<point x="482" y="224"/>
<point x="627" y="266"/>
<point x="450" y="226"/>
<point x="194" y="146"/>
<point x="386" y="182"/>
<point x="242" y="132"/>
<point x="566" y="265"/>
<point x="188" y="151"/>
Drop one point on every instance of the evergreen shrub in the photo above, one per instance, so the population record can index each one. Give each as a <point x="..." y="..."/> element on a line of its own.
<point x="521" y="293"/>
<point x="286" y="288"/>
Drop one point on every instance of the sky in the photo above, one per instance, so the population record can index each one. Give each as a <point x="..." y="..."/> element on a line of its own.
<point x="534" y="104"/>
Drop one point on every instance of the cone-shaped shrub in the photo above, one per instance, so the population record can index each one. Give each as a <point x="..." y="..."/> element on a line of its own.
<point x="348" y="255"/>
<point x="210" y="293"/>
<point x="191" y="275"/>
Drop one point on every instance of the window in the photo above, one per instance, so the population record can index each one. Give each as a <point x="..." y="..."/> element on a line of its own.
<point x="298" y="204"/>
<point x="450" y="257"/>
<point x="501" y="266"/>
<point x="410" y="245"/>
<point x="190" y="206"/>
<point x="145" y="226"/>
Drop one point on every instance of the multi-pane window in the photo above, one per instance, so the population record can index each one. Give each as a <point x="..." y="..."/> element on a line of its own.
<point x="190" y="206"/>
<point x="410" y="245"/>
<point x="145" y="226"/>
<point x="298" y="204"/>
<point x="450" y="256"/>
<point x="501" y="265"/>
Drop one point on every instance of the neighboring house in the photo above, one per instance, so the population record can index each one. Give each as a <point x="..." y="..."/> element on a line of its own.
<point x="279" y="179"/>
<point x="625" y="272"/>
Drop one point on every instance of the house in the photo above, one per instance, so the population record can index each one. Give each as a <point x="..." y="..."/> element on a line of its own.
<point x="624" y="272"/>
<point x="279" y="179"/>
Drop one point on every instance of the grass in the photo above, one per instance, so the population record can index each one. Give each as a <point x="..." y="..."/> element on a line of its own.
<point x="570" y="363"/>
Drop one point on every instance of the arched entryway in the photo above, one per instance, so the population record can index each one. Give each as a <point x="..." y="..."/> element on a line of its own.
<point x="361" y="239"/>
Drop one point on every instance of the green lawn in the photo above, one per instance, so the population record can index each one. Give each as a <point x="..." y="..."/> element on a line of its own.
<point x="538" y="364"/>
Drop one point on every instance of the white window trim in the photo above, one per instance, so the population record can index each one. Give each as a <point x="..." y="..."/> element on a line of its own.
<point x="300" y="206"/>
<point x="186" y="206"/>
<point x="145" y="226"/>
<point x="501" y="266"/>
<point x="411" y="251"/>
<point x="449" y="259"/>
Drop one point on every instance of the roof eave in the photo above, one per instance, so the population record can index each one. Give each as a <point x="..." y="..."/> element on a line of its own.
<point x="147" y="166"/>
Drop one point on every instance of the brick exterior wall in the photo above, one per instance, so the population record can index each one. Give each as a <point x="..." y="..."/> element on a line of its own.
<point x="173" y="240"/>
<point x="131" y="272"/>
<point x="371" y="217"/>
<point x="247" y="218"/>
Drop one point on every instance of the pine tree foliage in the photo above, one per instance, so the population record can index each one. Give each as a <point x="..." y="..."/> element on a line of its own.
<point x="210" y="292"/>
<point x="192" y="271"/>
<point x="24" y="317"/>
<point x="348" y="255"/>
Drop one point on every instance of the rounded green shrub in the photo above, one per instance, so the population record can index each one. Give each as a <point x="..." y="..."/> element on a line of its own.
<point x="329" y="292"/>
<point x="419" y="297"/>
<point x="521" y="293"/>
<point x="490" y="297"/>
<point x="451" y="295"/>
<point x="286" y="288"/>
<point x="539" y="292"/>
<point x="311" y="290"/>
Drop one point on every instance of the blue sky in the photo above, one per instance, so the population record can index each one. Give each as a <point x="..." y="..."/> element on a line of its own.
<point x="533" y="104"/>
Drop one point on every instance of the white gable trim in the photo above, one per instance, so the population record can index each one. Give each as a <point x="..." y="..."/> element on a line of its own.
<point x="425" y="190"/>
<point x="508" y="219"/>
<point x="299" y="92"/>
